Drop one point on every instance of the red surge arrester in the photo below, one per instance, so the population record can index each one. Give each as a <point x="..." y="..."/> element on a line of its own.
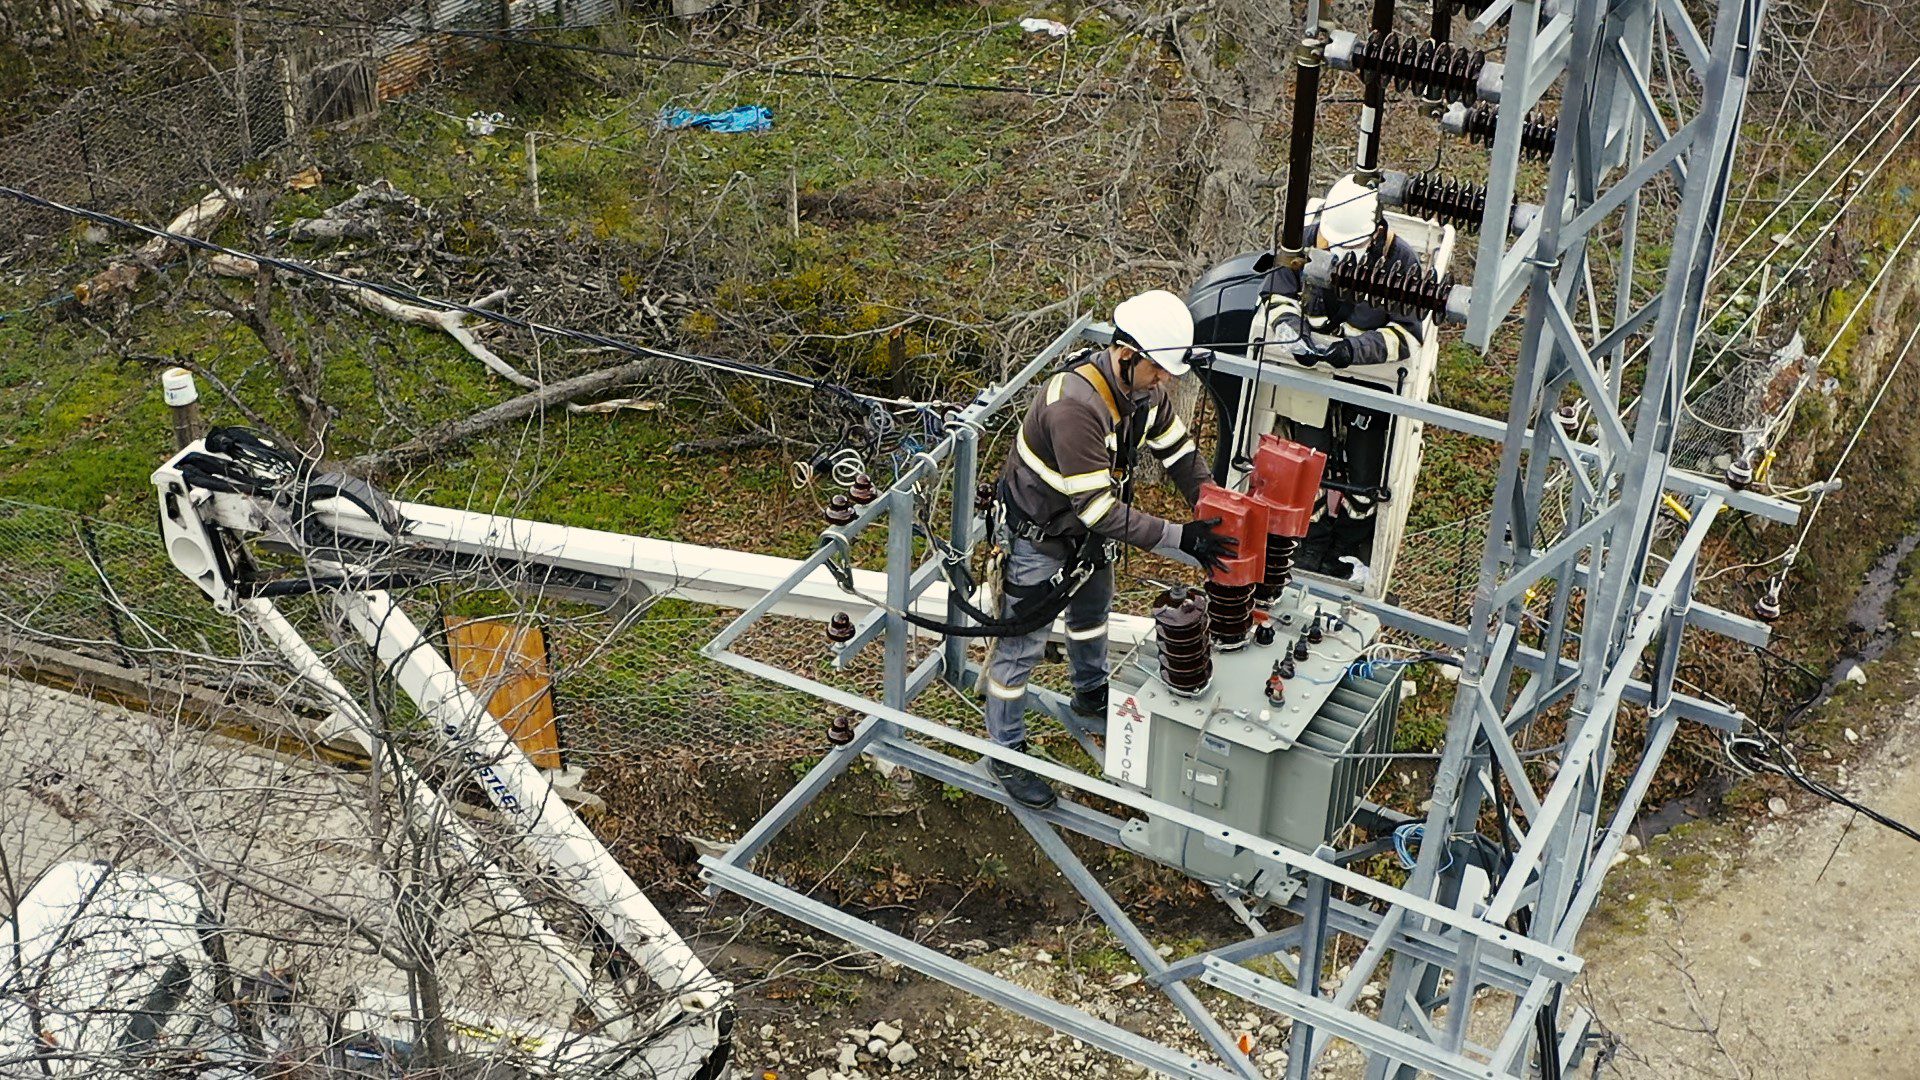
<point x="1244" y="518"/>
<point x="1286" y="478"/>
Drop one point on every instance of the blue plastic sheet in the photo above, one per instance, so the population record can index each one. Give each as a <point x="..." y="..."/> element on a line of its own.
<point x="737" y="119"/>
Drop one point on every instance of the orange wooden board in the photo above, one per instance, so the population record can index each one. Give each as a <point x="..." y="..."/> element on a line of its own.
<point x="506" y="664"/>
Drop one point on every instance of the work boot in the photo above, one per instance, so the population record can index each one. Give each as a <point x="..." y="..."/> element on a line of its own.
<point x="1025" y="788"/>
<point x="1090" y="704"/>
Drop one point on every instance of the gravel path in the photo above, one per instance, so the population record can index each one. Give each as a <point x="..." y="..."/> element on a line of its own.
<point x="1788" y="966"/>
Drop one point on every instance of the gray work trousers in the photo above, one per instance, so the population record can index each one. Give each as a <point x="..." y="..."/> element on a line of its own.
<point x="1031" y="563"/>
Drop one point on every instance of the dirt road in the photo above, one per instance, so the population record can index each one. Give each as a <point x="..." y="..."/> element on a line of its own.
<point x="1788" y="966"/>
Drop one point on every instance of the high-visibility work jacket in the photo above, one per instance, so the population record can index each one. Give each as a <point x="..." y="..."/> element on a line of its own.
<point x="1069" y="468"/>
<point x="1378" y="337"/>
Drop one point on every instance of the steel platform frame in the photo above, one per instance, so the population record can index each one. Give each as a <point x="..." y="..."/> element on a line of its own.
<point x="1580" y="662"/>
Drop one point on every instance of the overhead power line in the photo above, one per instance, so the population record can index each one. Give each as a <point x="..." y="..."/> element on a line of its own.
<point x="1820" y="496"/>
<point x="1804" y="250"/>
<point x="394" y="292"/>
<point x="1808" y="176"/>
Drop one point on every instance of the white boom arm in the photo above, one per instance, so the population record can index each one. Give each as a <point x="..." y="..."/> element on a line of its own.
<point x="667" y="568"/>
<point x="202" y="529"/>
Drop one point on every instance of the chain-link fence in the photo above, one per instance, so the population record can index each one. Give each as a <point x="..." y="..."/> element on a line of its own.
<point x="143" y="153"/>
<point x="630" y="683"/>
<point x="101" y="589"/>
<point x="1733" y="416"/>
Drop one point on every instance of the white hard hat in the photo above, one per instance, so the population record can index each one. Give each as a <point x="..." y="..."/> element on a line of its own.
<point x="1346" y="216"/>
<point x="1158" y="324"/>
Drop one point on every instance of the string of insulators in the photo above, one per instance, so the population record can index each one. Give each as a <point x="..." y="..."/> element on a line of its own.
<point x="1461" y="202"/>
<point x="1537" y="131"/>
<point x="1435" y="69"/>
<point x="1402" y="288"/>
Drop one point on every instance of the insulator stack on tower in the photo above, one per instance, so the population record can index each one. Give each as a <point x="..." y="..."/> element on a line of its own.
<point x="1286" y="480"/>
<point x="1230" y="588"/>
<point x="1459" y="202"/>
<point x="1400" y="288"/>
<point x="1180" y="628"/>
<point x="1477" y="123"/>
<point x="1434" y="69"/>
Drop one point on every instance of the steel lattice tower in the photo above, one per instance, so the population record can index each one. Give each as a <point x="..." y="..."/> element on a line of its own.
<point x="1614" y="140"/>
<point x="1569" y="623"/>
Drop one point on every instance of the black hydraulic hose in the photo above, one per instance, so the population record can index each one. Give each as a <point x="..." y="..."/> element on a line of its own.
<point x="1548" y="1034"/>
<point x="1225" y="420"/>
<point x="1020" y="627"/>
<point x="1030" y="613"/>
<point x="305" y="586"/>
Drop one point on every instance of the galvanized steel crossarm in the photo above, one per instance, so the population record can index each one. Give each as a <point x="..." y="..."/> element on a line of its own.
<point x="1485" y="427"/>
<point x="1364" y="1030"/>
<point x="929" y="962"/>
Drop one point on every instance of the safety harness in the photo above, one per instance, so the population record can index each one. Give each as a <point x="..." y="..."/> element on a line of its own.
<point x="1035" y="606"/>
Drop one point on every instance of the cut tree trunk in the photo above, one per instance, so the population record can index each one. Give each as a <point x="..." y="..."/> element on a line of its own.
<point x="119" y="280"/>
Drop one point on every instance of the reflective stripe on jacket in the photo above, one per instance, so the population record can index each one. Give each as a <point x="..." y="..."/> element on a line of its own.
<point x="1376" y="336"/>
<point x="1068" y="468"/>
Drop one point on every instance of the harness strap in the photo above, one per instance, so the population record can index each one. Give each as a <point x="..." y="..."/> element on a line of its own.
<point x="1091" y="372"/>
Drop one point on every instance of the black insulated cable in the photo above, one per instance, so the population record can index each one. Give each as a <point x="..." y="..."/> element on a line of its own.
<point x="1374" y="104"/>
<point x="1307" y="61"/>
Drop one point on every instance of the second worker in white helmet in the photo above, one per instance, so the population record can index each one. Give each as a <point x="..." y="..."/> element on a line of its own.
<point x="1362" y="340"/>
<point x="1067" y="484"/>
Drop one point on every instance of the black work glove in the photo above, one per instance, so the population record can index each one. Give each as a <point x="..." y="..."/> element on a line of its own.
<point x="1210" y="549"/>
<point x="1337" y="353"/>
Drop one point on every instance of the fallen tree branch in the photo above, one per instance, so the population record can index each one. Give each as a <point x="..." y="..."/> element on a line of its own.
<point x="506" y="412"/>
<point x="123" y="276"/>
<point x="349" y="217"/>
<point x="454" y="324"/>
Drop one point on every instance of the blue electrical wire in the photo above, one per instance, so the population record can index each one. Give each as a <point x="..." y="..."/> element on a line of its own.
<point x="1412" y="831"/>
<point x="1365" y="667"/>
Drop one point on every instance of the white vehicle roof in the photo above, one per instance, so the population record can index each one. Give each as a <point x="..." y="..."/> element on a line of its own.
<point x="85" y="958"/>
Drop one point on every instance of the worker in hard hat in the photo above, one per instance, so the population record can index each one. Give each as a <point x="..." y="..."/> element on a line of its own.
<point x="1358" y="339"/>
<point x="1066" y="495"/>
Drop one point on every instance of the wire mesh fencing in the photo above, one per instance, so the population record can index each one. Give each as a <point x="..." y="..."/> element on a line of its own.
<point x="101" y="589"/>
<point x="1733" y="416"/>
<point x="627" y="683"/>
<point x="142" y="153"/>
